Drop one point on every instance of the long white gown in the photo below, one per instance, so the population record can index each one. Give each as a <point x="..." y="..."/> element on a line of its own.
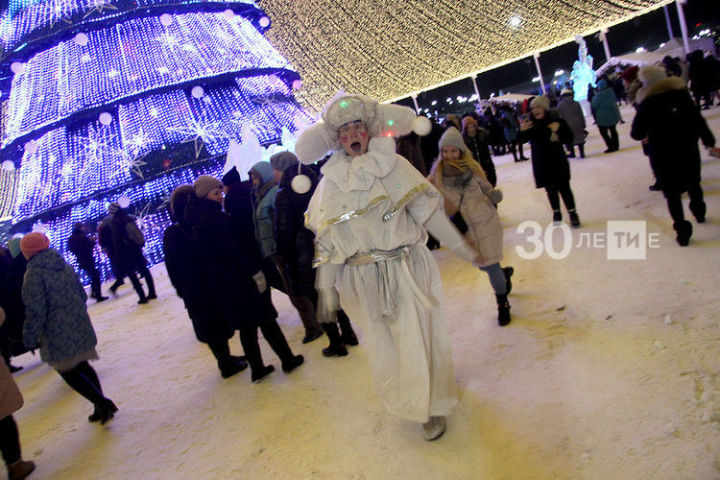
<point x="378" y="201"/>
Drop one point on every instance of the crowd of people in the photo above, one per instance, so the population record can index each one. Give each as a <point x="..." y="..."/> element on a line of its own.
<point x="352" y="243"/>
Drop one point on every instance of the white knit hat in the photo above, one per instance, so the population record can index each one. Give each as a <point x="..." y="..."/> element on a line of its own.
<point x="651" y="74"/>
<point x="542" y="101"/>
<point x="452" y="138"/>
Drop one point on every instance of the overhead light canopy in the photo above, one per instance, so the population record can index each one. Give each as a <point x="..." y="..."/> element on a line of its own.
<point x="389" y="50"/>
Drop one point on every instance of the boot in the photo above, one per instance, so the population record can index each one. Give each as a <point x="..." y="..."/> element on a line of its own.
<point x="20" y="469"/>
<point x="258" y="375"/>
<point x="508" y="271"/>
<point x="574" y="219"/>
<point x="434" y="428"/>
<point x="103" y="412"/>
<point x="698" y="210"/>
<point x="557" y="216"/>
<point x="503" y="309"/>
<point x="684" y="232"/>
<point x="336" y="347"/>
<point x="232" y="367"/>
<point x="347" y="335"/>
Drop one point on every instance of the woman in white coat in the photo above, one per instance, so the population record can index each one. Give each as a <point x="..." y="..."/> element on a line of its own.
<point x="371" y="212"/>
<point x="466" y="190"/>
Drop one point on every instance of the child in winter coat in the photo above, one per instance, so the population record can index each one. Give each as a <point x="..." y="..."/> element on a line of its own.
<point x="465" y="188"/>
<point x="57" y="322"/>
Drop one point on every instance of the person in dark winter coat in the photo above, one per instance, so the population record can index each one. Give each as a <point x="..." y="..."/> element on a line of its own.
<point x="11" y="331"/>
<point x="476" y="139"/>
<point x="127" y="243"/>
<point x="182" y="264"/>
<point x="82" y="246"/>
<point x="510" y="129"/>
<point x="607" y="115"/>
<point x="10" y="401"/>
<point x="701" y="76"/>
<point x="104" y="232"/>
<point x="296" y="251"/>
<point x="571" y="111"/>
<point x="58" y="323"/>
<point x="671" y="123"/>
<point x="547" y="133"/>
<point x="408" y="146"/>
<point x="231" y="268"/>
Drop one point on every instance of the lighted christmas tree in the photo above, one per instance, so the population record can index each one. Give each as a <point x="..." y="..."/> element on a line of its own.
<point x="115" y="99"/>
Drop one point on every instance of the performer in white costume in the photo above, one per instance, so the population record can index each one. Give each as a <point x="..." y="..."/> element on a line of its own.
<point x="371" y="212"/>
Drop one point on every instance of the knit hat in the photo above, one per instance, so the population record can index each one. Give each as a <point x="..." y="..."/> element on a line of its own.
<point x="651" y="74"/>
<point x="113" y="208"/>
<point x="283" y="160"/>
<point x="14" y="246"/>
<point x="468" y="121"/>
<point x="630" y="73"/>
<point x="231" y="177"/>
<point x="34" y="243"/>
<point x="542" y="101"/>
<point x="452" y="138"/>
<point x="204" y="184"/>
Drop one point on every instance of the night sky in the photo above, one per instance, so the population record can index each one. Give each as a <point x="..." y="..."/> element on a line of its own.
<point x="647" y="31"/>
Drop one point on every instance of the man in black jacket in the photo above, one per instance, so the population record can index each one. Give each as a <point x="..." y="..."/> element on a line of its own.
<point x="82" y="245"/>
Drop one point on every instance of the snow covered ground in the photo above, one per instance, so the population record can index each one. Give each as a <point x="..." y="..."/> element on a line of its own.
<point x="609" y="369"/>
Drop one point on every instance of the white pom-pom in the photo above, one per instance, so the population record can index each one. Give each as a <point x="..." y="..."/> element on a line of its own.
<point x="264" y="22"/>
<point x="105" y="118"/>
<point x="301" y="184"/>
<point x="422" y="126"/>
<point x="81" y="39"/>
<point x="297" y="84"/>
<point x="229" y="14"/>
<point x="8" y="165"/>
<point x="166" y="19"/>
<point x="123" y="201"/>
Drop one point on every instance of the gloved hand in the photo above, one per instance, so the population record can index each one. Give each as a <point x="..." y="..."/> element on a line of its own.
<point x="260" y="282"/>
<point x="495" y="195"/>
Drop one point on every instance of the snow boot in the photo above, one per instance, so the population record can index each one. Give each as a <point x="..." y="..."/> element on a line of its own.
<point x="508" y="271"/>
<point x="433" y="429"/>
<point x="684" y="232"/>
<point x="347" y="334"/>
<point x="557" y="217"/>
<point x="20" y="469"/>
<point x="503" y="309"/>
<point x="698" y="210"/>
<point x="574" y="219"/>
<point x="232" y="367"/>
<point x="260" y="374"/>
<point x="336" y="347"/>
<point x="103" y="412"/>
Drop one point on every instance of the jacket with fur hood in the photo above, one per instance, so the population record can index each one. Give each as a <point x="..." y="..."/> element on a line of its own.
<point x="669" y="119"/>
<point x="264" y="203"/>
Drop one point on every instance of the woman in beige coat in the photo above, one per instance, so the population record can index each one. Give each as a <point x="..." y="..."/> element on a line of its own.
<point x="466" y="190"/>
<point x="10" y="401"/>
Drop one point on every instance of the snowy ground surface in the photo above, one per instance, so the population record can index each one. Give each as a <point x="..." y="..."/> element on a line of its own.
<point x="609" y="369"/>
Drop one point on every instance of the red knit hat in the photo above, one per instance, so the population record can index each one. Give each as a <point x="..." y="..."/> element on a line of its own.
<point x="630" y="73"/>
<point x="34" y="243"/>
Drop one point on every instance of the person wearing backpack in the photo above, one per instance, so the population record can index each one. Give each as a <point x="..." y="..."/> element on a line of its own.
<point x="127" y="241"/>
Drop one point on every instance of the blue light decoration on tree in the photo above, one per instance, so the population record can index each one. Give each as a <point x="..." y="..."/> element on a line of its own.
<point x="113" y="98"/>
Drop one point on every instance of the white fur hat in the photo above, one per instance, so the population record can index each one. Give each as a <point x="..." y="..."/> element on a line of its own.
<point x="382" y="120"/>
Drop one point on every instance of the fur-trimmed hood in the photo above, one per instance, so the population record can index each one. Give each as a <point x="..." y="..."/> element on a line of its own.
<point x="662" y="86"/>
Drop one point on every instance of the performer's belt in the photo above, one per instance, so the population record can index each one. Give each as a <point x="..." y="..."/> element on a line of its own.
<point x="380" y="257"/>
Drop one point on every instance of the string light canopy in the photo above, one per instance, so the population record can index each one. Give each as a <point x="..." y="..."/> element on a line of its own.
<point x="389" y="49"/>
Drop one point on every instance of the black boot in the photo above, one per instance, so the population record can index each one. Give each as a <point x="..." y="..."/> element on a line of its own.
<point x="684" y="232"/>
<point x="699" y="210"/>
<point x="503" y="309"/>
<point x="557" y="216"/>
<point x="336" y="347"/>
<point x="508" y="271"/>
<point x="347" y="334"/>
<point x="574" y="219"/>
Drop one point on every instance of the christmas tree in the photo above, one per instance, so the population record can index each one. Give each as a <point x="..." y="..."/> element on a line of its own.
<point x="107" y="100"/>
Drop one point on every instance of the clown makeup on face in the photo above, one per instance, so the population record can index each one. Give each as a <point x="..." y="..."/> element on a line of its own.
<point x="354" y="138"/>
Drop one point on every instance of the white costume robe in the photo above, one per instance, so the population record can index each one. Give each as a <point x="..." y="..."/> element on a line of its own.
<point x="378" y="201"/>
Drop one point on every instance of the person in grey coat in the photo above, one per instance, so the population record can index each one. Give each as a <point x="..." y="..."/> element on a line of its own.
<point x="571" y="111"/>
<point x="58" y="324"/>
